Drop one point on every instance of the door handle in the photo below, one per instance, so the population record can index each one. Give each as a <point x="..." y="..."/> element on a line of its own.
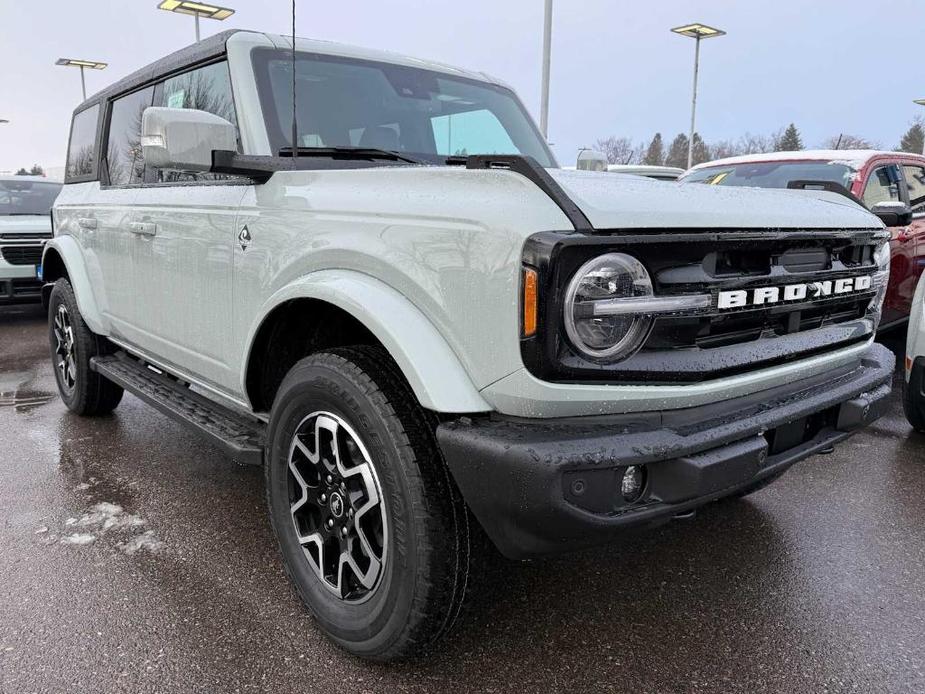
<point x="86" y="223"/>
<point x="143" y="228"/>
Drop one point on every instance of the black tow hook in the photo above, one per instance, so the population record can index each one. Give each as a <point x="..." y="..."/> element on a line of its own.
<point x="828" y="450"/>
<point x="687" y="515"/>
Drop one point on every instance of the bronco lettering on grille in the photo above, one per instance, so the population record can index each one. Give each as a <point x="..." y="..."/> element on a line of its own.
<point x="762" y="296"/>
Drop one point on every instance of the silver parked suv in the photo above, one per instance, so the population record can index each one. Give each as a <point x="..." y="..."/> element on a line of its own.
<point x="420" y="326"/>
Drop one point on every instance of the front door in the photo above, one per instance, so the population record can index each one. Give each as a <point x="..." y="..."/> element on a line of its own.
<point x="884" y="184"/>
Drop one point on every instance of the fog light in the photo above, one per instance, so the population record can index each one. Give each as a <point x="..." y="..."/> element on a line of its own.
<point x="634" y="481"/>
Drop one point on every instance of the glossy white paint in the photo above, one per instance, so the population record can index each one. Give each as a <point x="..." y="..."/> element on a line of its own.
<point x="915" y="334"/>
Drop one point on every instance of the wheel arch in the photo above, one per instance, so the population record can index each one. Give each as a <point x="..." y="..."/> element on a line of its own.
<point x="62" y="258"/>
<point x="363" y="309"/>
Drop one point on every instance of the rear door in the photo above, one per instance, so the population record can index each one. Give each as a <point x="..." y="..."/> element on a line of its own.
<point x="183" y="228"/>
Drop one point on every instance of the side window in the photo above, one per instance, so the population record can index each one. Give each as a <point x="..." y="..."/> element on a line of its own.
<point x="207" y="89"/>
<point x="472" y="131"/>
<point x="882" y="185"/>
<point x="124" y="155"/>
<point x="915" y="181"/>
<point x="81" y="150"/>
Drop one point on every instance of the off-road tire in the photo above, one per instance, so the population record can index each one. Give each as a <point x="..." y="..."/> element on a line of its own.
<point x="424" y="576"/>
<point x="913" y="402"/>
<point x="90" y="394"/>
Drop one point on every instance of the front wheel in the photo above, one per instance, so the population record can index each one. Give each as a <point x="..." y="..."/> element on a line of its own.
<point x="73" y="345"/>
<point x="372" y="530"/>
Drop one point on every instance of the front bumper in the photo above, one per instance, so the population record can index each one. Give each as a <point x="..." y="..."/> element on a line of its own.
<point x="18" y="284"/>
<point x="550" y="486"/>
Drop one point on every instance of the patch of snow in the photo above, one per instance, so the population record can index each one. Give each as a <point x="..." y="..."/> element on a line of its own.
<point x="146" y="541"/>
<point x="854" y="158"/>
<point x="42" y="530"/>
<point x="78" y="539"/>
<point x="106" y="517"/>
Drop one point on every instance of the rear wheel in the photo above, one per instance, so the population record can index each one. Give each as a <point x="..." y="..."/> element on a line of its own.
<point x="372" y="530"/>
<point x="73" y="344"/>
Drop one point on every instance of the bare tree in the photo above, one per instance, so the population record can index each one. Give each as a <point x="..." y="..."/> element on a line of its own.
<point x="618" y="150"/>
<point x="847" y="141"/>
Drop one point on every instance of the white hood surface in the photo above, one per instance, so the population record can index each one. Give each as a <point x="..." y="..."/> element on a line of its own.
<point x="619" y="201"/>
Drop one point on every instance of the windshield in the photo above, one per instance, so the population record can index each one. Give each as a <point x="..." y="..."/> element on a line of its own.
<point x="27" y="197"/>
<point x="773" y="174"/>
<point x="344" y="102"/>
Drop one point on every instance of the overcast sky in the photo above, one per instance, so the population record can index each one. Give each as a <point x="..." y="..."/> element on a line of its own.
<point x="830" y="66"/>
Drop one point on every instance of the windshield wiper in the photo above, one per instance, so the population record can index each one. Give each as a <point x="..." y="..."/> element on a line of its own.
<point x="353" y="153"/>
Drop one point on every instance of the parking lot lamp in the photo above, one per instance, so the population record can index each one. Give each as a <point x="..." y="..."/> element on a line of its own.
<point x="197" y="10"/>
<point x="82" y="64"/>
<point x="697" y="32"/>
<point x="547" y="50"/>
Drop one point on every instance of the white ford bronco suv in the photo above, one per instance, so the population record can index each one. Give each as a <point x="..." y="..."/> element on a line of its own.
<point x="367" y="273"/>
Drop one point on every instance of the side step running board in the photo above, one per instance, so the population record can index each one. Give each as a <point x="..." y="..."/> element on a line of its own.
<point x="242" y="437"/>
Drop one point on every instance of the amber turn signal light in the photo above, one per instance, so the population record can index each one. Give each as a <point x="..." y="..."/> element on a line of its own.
<point x="529" y="302"/>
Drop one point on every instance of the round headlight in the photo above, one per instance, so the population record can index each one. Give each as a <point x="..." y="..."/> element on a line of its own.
<point x="594" y="332"/>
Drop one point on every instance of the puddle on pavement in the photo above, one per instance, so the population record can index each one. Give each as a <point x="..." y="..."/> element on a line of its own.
<point x="25" y="400"/>
<point x="15" y="391"/>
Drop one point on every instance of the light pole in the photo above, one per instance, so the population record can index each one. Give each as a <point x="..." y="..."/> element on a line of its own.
<point x="197" y="10"/>
<point x="82" y="64"/>
<point x="921" y="102"/>
<point x="547" y="50"/>
<point x="697" y="32"/>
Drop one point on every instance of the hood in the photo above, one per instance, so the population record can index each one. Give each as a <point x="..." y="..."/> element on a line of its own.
<point x="619" y="201"/>
<point x="26" y="224"/>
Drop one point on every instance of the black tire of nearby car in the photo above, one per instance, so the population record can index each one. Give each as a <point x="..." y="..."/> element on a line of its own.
<point x="913" y="399"/>
<point x="424" y="578"/>
<point x="92" y="395"/>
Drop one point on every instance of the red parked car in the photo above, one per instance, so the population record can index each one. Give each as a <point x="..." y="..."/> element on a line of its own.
<point x="889" y="184"/>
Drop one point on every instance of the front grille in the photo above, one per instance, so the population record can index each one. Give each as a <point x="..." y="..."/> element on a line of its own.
<point x="22" y="255"/>
<point x="714" y="343"/>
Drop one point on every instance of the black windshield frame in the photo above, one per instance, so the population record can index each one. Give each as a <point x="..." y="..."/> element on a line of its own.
<point x="281" y="138"/>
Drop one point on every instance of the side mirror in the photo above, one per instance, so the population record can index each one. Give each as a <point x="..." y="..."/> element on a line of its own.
<point x="184" y="139"/>
<point x="893" y="214"/>
<point x="590" y="160"/>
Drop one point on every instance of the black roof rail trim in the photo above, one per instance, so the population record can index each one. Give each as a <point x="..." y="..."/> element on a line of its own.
<point x="529" y="167"/>
<point x="208" y="49"/>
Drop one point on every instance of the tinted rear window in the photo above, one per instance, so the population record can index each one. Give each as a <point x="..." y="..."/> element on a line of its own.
<point x="81" y="151"/>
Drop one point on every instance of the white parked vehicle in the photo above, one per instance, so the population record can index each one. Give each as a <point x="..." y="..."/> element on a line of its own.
<point x="914" y="381"/>
<point x="25" y="226"/>
<point x="418" y="324"/>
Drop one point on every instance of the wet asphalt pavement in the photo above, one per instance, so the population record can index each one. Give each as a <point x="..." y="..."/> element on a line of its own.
<point x="814" y="584"/>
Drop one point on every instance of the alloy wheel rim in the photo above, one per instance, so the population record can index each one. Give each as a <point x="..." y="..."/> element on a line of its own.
<point x="65" y="359"/>
<point x="336" y="505"/>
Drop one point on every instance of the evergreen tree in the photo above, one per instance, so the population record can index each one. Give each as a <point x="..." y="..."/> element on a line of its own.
<point x="790" y="141"/>
<point x="655" y="154"/>
<point x="677" y="152"/>
<point x="37" y="170"/>
<point x="914" y="139"/>
<point x="22" y="172"/>
<point x="701" y="152"/>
